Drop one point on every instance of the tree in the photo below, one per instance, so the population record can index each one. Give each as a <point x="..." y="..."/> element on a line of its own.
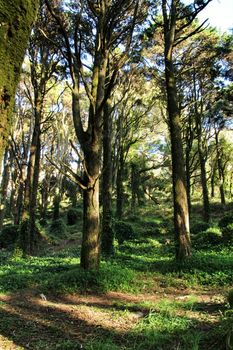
<point x="16" y="19"/>
<point x="44" y="61"/>
<point x="95" y="30"/>
<point x="176" y="18"/>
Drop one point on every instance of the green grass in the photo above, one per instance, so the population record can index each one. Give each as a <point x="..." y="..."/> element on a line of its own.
<point x="141" y="266"/>
<point x="136" y="267"/>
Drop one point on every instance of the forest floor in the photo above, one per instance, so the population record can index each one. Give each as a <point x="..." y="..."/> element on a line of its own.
<point x="141" y="299"/>
<point x="107" y="321"/>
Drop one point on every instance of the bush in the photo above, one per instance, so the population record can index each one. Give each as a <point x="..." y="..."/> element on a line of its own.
<point x="230" y="298"/>
<point x="73" y="215"/>
<point x="210" y="237"/>
<point x="9" y="236"/>
<point x="58" y="228"/>
<point x="227" y="233"/>
<point x="124" y="231"/>
<point x="225" y="221"/>
<point x="200" y="226"/>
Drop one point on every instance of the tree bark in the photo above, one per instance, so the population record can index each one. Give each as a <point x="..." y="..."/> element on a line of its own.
<point x="90" y="251"/>
<point x="28" y="230"/>
<point x="135" y="180"/>
<point x="181" y="211"/>
<point x="4" y="185"/>
<point x="16" y="19"/>
<point x="220" y="169"/>
<point x="119" y="186"/>
<point x="107" y="229"/>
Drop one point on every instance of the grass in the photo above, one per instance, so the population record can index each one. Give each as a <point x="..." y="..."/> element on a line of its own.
<point x="140" y="299"/>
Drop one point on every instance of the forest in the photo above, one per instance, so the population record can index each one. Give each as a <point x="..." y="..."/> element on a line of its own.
<point x="116" y="176"/>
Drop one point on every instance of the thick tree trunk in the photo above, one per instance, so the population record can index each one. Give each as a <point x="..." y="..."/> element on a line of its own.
<point x="90" y="251"/>
<point x="16" y="19"/>
<point x="107" y="229"/>
<point x="181" y="211"/>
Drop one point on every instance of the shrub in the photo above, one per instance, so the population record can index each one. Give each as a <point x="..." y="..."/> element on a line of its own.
<point x="227" y="233"/>
<point x="225" y="221"/>
<point x="200" y="226"/>
<point x="73" y="215"/>
<point x="9" y="236"/>
<point x="58" y="228"/>
<point x="230" y="298"/>
<point x="124" y="231"/>
<point x="210" y="237"/>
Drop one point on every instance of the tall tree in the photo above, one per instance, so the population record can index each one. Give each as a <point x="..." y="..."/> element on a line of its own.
<point x="44" y="60"/>
<point x="176" y="18"/>
<point x="96" y="29"/>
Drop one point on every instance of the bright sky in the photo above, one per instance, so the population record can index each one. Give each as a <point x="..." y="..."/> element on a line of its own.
<point x="220" y="14"/>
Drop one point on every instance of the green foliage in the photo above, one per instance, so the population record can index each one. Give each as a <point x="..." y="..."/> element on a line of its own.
<point x="230" y="298"/>
<point x="225" y="221"/>
<point x="227" y="233"/>
<point x="17" y="254"/>
<point x="73" y="216"/>
<point x="9" y="236"/>
<point x="58" y="228"/>
<point x="200" y="226"/>
<point x="124" y="231"/>
<point x="109" y="277"/>
<point x="211" y="237"/>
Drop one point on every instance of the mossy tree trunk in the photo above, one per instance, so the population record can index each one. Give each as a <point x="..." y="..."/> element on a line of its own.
<point x="16" y="19"/>
<point x="181" y="210"/>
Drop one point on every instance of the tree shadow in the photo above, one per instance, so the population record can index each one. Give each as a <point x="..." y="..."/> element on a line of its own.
<point x="36" y="324"/>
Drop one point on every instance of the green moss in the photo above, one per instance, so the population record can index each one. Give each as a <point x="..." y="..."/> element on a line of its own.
<point x="16" y="19"/>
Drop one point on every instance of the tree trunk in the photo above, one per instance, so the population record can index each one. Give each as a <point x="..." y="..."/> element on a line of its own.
<point x="188" y="182"/>
<point x="34" y="190"/>
<point x="206" y="203"/>
<point x="181" y="212"/>
<point x="28" y="231"/>
<point x="119" y="187"/>
<point x="205" y="194"/>
<point x="16" y="19"/>
<point x="212" y="180"/>
<point x="220" y="170"/>
<point x="134" y="187"/>
<point x="107" y="229"/>
<point x="201" y="149"/>
<point x="4" y="185"/>
<point x="90" y="251"/>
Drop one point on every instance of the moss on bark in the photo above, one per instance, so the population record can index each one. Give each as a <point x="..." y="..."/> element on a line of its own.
<point x="16" y="19"/>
